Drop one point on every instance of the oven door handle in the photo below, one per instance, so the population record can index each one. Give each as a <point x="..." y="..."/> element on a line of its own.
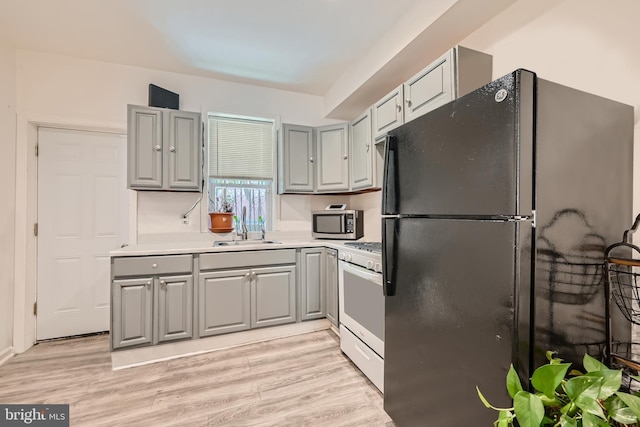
<point x="362" y="272"/>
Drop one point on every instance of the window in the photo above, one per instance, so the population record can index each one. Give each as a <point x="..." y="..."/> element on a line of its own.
<point x="241" y="167"/>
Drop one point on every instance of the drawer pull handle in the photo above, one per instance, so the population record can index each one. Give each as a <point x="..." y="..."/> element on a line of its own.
<point x="366" y="356"/>
<point x="154" y="265"/>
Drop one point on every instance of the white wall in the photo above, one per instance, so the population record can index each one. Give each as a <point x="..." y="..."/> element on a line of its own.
<point x="585" y="44"/>
<point x="7" y="195"/>
<point x="74" y="90"/>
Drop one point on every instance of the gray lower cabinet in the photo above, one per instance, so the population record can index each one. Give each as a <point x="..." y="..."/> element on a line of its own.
<point x="312" y="286"/>
<point x="224" y="299"/>
<point x="174" y="307"/>
<point x="331" y="285"/>
<point x="273" y="296"/>
<point x="132" y="308"/>
<point x="151" y="299"/>
<point x="244" y="290"/>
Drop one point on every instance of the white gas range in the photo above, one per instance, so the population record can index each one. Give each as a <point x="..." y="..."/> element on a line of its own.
<point x="361" y="304"/>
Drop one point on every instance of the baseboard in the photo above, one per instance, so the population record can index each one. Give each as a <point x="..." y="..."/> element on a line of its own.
<point x="121" y="359"/>
<point x="6" y="354"/>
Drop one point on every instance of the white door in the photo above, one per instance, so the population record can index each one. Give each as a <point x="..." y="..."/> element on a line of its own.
<point x="82" y="215"/>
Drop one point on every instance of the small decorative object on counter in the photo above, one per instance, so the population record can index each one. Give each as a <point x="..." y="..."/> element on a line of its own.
<point x="222" y="215"/>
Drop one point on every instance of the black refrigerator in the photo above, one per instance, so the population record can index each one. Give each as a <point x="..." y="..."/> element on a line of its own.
<point x="497" y="208"/>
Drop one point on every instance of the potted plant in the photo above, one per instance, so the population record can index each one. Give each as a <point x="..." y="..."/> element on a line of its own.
<point x="222" y="214"/>
<point x="576" y="399"/>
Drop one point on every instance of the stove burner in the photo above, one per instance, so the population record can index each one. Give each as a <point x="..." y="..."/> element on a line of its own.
<point x="375" y="247"/>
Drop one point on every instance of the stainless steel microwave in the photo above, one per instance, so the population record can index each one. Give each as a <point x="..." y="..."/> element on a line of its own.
<point x="338" y="224"/>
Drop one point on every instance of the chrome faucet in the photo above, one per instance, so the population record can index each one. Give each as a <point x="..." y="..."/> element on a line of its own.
<point x="244" y="223"/>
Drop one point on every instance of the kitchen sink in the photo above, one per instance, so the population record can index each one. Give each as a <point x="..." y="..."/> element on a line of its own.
<point x="244" y="242"/>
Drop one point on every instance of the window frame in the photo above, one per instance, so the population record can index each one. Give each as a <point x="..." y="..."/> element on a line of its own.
<point x="274" y="213"/>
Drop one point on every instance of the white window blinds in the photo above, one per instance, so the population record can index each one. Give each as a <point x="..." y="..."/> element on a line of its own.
<point x="240" y="148"/>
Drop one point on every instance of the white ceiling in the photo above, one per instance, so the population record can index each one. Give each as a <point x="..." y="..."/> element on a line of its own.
<point x="299" y="45"/>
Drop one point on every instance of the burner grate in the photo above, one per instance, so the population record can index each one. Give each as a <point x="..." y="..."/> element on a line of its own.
<point x="366" y="246"/>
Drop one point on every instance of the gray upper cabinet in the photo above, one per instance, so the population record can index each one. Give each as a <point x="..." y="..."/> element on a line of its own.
<point x="312" y="286"/>
<point x="332" y="165"/>
<point x="296" y="163"/>
<point x="456" y="73"/>
<point x="362" y="152"/>
<point x="387" y="113"/>
<point x="331" y="285"/>
<point x="164" y="149"/>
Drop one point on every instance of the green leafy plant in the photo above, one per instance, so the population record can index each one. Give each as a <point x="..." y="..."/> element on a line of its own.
<point x="569" y="399"/>
<point x="222" y="204"/>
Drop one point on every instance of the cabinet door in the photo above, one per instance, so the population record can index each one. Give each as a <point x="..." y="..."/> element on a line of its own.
<point x="298" y="159"/>
<point x="361" y="152"/>
<point x="387" y="113"/>
<point x="430" y="88"/>
<point x="332" y="166"/>
<point x="224" y="302"/>
<point x="183" y="149"/>
<point x="331" y="285"/>
<point x="175" y="307"/>
<point x="144" y="145"/>
<point x="312" y="290"/>
<point x="273" y="296"/>
<point x="132" y="312"/>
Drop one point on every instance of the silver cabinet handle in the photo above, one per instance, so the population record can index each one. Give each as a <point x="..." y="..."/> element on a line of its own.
<point x="254" y="275"/>
<point x="368" y="145"/>
<point x="247" y="276"/>
<point x="148" y="284"/>
<point x="172" y="149"/>
<point x="399" y="107"/>
<point x="163" y="284"/>
<point x="311" y="159"/>
<point x="157" y="148"/>
<point x="408" y="102"/>
<point x="154" y="265"/>
<point x="345" y="157"/>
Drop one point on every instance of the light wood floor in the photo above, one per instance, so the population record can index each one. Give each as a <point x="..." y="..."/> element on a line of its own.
<point x="295" y="381"/>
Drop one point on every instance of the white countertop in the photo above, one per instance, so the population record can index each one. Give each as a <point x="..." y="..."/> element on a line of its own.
<point x="203" y="246"/>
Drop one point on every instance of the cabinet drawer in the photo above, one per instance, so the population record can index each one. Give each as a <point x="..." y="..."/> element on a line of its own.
<point x="366" y="359"/>
<point x="246" y="259"/>
<point x="136" y="266"/>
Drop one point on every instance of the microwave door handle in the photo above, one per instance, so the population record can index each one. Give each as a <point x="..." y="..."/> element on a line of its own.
<point x="389" y="251"/>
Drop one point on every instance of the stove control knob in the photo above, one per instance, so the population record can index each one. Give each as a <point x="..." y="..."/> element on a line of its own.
<point x="370" y="264"/>
<point x="347" y="257"/>
<point x="340" y="255"/>
<point x="377" y="267"/>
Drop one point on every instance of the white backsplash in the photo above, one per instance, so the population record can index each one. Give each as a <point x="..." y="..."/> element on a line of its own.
<point x="159" y="215"/>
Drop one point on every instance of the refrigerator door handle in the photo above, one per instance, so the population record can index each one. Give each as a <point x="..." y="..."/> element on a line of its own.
<point x="388" y="257"/>
<point x="389" y="181"/>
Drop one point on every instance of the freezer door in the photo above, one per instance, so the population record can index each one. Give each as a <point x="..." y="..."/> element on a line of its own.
<point x="470" y="157"/>
<point x="451" y="323"/>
